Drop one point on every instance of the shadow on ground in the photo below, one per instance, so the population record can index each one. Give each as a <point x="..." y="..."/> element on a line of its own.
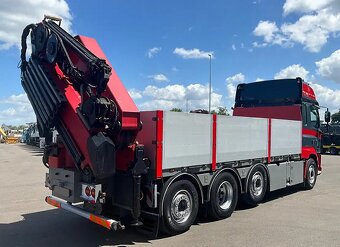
<point x="56" y="228"/>
<point x="35" y="151"/>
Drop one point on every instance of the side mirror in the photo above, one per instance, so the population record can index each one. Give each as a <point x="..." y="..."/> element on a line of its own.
<point x="327" y="116"/>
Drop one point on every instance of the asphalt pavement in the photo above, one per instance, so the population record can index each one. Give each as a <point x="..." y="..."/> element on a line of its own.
<point x="289" y="217"/>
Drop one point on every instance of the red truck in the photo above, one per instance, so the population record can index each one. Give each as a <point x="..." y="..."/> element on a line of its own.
<point x="119" y="167"/>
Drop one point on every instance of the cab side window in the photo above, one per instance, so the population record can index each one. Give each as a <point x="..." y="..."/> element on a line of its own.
<point x="310" y="116"/>
<point x="304" y="115"/>
<point x="314" y="117"/>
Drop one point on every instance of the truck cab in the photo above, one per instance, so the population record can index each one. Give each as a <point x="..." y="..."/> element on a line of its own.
<point x="291" y="99"/>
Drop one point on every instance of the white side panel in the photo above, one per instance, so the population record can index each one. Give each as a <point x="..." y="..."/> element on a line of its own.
<point x="286" y="137"/>
<point x="186" y="139"/>
<point x="241" y="138"/>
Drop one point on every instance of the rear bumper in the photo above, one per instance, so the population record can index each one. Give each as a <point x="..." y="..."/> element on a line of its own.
<point x="98" y="219"/>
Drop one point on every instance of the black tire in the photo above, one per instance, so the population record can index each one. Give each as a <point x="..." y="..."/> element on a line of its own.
<point x="311" y="174"/>
<point x="180" y="207"/>
<point x="333" y="151"/>
<point x="223" y="196"/>
<point x="257" y="184"/>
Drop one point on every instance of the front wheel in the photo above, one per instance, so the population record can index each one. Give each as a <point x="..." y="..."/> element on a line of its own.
<point x="180" y="207"/>
<point x="311" y="175"/>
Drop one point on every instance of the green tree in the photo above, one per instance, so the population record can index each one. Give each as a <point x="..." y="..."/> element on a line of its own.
<point x="336" y="117"/>
<point x="222" y="110"/>
<point x="176" y="109"/>
<point x="22" y="126"/>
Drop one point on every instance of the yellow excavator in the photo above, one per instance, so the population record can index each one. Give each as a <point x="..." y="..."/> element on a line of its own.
<point x="4" y="138"/>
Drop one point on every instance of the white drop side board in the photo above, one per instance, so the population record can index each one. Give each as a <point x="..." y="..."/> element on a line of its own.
<point x="186" y="139"/>
<point x="286" y="137"/>
<point x="241" y="138"/>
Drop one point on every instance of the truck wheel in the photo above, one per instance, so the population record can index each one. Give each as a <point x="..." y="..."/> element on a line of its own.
<point x="180" y="207"/>
<point x="333" y="151"/>
<point x="311" y="175"/>
<point x="224" y="196"/>
<point x="256" y="186"/>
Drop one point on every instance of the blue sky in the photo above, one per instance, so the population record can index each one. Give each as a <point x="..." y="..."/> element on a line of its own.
<point x="160" y="49"/>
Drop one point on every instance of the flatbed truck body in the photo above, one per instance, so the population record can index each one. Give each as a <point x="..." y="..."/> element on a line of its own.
<point x="117" y="166"/>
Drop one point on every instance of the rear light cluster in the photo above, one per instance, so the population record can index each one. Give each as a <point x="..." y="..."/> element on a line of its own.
<point x="90" y="191"/>
<point x="87" y="191"/>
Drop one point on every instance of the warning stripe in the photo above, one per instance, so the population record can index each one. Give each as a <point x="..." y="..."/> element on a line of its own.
<point x="52" y="202"/>
<point x="100" y="221"/>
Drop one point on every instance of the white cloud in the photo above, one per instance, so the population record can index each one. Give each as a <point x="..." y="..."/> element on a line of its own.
<point x="173" y="92"/>
<point x="326" y="96"/>
<point x="233" y="46"/>
<point x="195" y="96"/>
<point x="135" y="94"/>
<point x="16" y="109"/>
<point x="259" y="79"/>
<point x="266" y="29"/>
<point x="312" y="30"/>
<point x="153" y="51"/>
<point x="304" y="6"/>
<point x="15" y="15"/>
<point x="259" y="45"/>
<point x="193" y="53"/>
<point x="237" y="78"/>
<point x="329" y="67"/>
<point x="292" y="71"/>
<point x="174" y="69"/>
<point x="232" y="82"/>
<point x="159" y="78"/>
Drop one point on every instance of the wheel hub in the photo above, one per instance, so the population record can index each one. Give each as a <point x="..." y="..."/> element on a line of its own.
<point x="181" y="206"/>
<point x="311" y="174"/>
<point x="224" y="195"/>
<point x="257" y="184"/>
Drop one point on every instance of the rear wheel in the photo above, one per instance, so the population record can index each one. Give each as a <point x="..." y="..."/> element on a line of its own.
<point x="311" y="174"/>
<point x="256" y="186"/>
<point x="333" y="151"/>
<point x="180" y="207"/>
<point x="224" y="196"/>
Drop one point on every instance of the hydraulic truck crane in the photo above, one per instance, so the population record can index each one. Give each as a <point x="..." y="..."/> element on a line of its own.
<point x="117" y="166"/>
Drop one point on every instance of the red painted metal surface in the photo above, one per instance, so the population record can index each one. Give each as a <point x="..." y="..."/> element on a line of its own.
<point x="292" y="112"/>
<point x="269" y="139"/>
<point x="129" y="113"/>
<point x="69" y="116"/>
<point x="307" y="152"/>
<point x="308" y="92"/>
<point x="159" y="144"/>
<point x="311" y="132"/>
<point x="63" y="160"/>
<point x="125" y="157"/>
<point x="214" y="137"/>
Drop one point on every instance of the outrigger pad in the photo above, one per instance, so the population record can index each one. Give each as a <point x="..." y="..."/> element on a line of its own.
<point x="103" y="155"/>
